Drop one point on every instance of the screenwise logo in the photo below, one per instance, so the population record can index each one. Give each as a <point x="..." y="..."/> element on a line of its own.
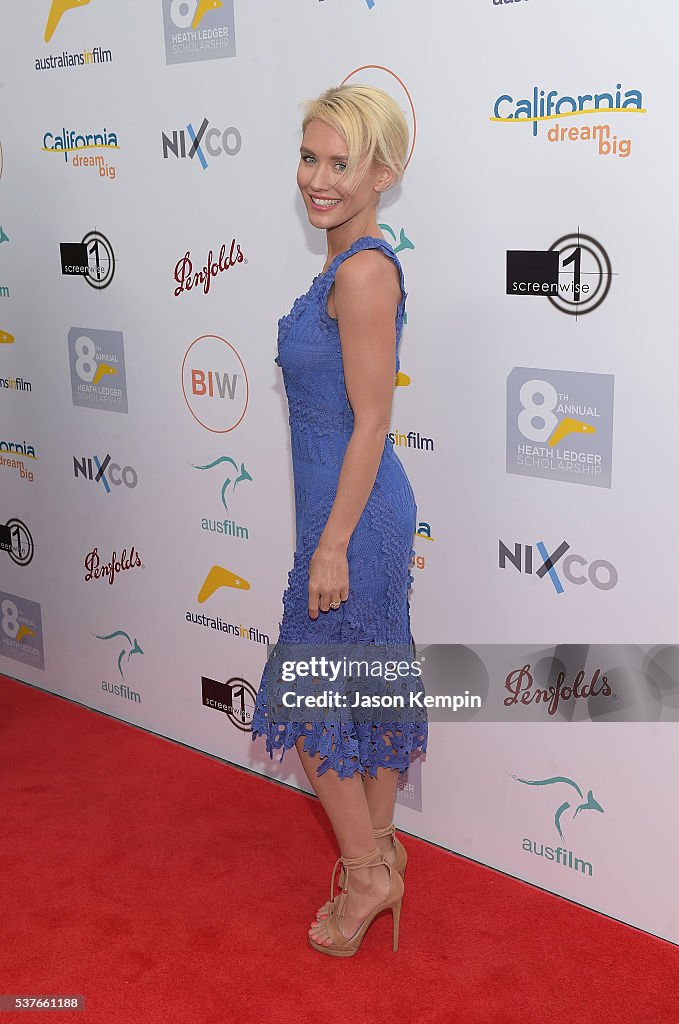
<point x="574" y="274"/>
<point x="92" y="259"/>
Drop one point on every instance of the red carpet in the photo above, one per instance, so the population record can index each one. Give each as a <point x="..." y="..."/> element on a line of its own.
<point x="165" y="886"/>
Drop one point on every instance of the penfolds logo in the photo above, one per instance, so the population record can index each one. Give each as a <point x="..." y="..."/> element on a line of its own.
<point x="109" y="570"/>
<point x="519" y="683"/>
<point x="188" y="278"/>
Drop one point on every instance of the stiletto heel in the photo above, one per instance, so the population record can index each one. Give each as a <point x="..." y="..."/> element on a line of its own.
<point x="396" y="914"/>
<point x="400" y="862"/>
<point x="341" y="945"/>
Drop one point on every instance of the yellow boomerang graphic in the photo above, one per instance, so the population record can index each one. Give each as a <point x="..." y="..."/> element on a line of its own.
<point x="569" y="426"/>
<point x="402" y="379"/>
<point x="220" y="577"/>
<point x="201" y="10"/>
<point x="103" y="370"/>
<point x="6" y="338"/>
<point x="58" y="8"/>
<point x="24" y="631"/>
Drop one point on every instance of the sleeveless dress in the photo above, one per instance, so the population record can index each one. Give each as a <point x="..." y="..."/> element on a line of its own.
<point x="379" y="551"/>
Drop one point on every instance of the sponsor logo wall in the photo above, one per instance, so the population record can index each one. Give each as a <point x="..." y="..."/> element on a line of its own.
<point x="151" y="237"/>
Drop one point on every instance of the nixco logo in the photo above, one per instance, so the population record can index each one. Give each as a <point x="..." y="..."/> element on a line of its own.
<point x="571" y="800"/>
<point x="386" y="79"/>
<point x="560" y="425"/>
<point x="215" y="383"/>
<point x="91" y="259"/>
<point x="16" y="540"/>
<point x="211" y="141"/>
<point x="549" y="106"/>
<point x="600" y="573"/>
<point x="97" y="362"/>
<point x="198" y="30"/>
<point x="21" y="630"/>
<point x="574" y="274"/>
<point x="104" y="471"/>
<point x="235" y="698"/>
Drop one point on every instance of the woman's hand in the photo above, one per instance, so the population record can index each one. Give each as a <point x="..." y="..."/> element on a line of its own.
<point x="328" y="577"/>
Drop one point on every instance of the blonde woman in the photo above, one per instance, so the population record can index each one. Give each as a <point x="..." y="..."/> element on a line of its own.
<point x="355" y="509"/>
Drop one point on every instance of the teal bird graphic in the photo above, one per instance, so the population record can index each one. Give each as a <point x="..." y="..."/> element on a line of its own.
<point x="242" y="474"/>
<point x="133" y="647"/>
<point x="590" y="804"/>
<point x="404" y="241"/>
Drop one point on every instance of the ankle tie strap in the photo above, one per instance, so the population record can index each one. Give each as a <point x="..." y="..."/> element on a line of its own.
<point x="367" y="861"/>
<point x="388" y="830"/>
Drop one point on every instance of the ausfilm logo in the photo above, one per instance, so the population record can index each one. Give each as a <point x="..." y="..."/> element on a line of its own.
<point x="215" y="383"/>
<point x="560" y="425"/>
<point x="205" y="143"/>
<point x="198" y="30"/>
<point x="92" y="259"/>
<point x="544" y="107"/>
<point x="574" y="274"/>
<point x="535" y="560"/>
<point x="384" y="78"/>
<point x="76" y="148"/>
<point x="567" y="802"/>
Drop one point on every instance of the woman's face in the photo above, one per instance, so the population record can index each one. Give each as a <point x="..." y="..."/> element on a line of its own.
<point x="323" y="159"/>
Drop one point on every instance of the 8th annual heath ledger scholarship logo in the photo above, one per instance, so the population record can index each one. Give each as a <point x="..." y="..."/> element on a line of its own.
<point x="198" y="30"/>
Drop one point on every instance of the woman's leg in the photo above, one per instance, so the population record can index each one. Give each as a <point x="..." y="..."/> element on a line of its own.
<point x="345" y="803"/>
<point x="380" y="795"/>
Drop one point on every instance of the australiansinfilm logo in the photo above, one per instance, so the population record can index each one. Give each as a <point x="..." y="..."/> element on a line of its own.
<point x="560" y="425"/>
<point x="92" y="259"/>
<point x="97" y="361"/>
<point x="198" y="30"/>
<point x="66" y="58"/>
<point x="574" y="274"/>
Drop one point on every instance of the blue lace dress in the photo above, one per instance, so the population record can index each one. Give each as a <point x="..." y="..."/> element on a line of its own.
<point x="379" y="551"/>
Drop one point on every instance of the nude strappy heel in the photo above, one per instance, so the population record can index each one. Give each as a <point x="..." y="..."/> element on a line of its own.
<point x="400" y="862"/>
<point x="341" y="945"/>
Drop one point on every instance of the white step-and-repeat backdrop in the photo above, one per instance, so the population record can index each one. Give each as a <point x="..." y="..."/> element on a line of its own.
<point x="151" y="234"/>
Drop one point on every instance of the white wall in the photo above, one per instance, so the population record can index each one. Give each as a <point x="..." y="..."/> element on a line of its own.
<point x="474" y="189"/>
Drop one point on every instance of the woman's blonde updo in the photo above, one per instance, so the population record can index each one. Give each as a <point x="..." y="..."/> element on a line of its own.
<point x="371" y="123"/>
